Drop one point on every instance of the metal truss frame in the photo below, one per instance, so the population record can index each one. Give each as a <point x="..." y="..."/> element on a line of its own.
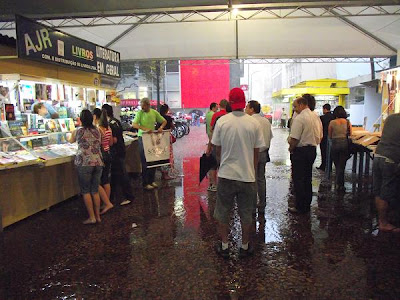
<point x="382" y="62"/>
<point x="292" y="10"/>
<point x="311" y="60"/>
<point x="340" y="9"/>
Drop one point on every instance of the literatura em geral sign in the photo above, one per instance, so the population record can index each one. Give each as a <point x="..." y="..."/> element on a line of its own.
<point x="42" y="43"/>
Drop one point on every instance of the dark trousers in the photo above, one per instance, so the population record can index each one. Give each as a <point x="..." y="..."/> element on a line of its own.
<point x="120" y="178"/>
<point x="263" y="158"/>
<point x="339" y="155"/>
<point x="148" y="174"/>
<point x="322" y="147"/>
<point x="302" y="162"/>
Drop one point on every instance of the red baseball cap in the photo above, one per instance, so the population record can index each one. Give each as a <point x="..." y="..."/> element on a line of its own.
<point x="237" y="99"/>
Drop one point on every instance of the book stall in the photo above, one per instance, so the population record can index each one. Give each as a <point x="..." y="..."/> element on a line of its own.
<point x="36" y="160"/>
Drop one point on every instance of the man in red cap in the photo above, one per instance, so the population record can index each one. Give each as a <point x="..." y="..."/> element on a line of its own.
<point x="238" y="138"/>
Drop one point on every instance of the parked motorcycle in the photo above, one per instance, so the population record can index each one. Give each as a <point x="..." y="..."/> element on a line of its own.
<point x="181" y="126"/>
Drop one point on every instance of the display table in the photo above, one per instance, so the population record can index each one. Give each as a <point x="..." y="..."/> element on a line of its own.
<point x="29" y="189"/>
<point x="365" y="145"/>
<point x="365" y="142"/>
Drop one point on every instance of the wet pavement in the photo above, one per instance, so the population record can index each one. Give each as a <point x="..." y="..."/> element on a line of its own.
<point x="161" y="245"/>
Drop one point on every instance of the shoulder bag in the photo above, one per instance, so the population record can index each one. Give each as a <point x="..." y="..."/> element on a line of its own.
<point x="350" y="145"/>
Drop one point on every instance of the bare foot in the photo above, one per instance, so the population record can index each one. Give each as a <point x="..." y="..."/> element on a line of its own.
<point x="89" y="221"/>
<point x="389" y="228"/>
<point x="98" y="220"/>
<point x="106" y="209"/>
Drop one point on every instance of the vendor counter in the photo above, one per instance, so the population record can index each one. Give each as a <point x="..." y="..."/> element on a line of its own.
<point x="30" y="188"/>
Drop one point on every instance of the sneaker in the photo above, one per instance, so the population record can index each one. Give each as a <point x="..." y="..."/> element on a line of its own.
<point x="220" y="252"/>
<point x="212" y="188"/>
<point x="293" y="210"/>
<point x="245" y="253"/>
<point x="154" y="184"/>
<point x="125" y="202"/>
<point x="148" y="187"/>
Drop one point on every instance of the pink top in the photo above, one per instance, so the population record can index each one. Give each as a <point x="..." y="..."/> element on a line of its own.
<point x="106" y="136"/>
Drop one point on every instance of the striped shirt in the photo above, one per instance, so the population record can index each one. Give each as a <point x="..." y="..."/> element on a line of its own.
<point x="106" y="135"/>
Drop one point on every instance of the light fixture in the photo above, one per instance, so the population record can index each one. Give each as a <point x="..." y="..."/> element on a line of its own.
<point x="235" y="12"/>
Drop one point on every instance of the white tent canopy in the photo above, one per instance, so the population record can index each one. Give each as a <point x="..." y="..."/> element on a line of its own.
<point x="224" y="29"/>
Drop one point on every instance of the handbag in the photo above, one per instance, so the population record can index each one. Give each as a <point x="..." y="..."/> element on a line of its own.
<point x="351" y="147"/>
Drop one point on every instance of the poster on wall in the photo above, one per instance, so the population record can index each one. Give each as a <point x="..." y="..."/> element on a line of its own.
<point x="157" y="148"/>
<point x="42" y="43"/>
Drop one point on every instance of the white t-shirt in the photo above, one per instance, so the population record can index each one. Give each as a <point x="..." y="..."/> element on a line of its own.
<point x="307" y="128"/>
<point x="238" y="134"/>
<point x="266" y="130"/>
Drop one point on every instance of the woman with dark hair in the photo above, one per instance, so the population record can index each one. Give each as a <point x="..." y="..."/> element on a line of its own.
<point x="164" y="109"/>
<point x="89" y="164"/>
<point x="338" y="131"/>
<point x="96" y="116"/>
<point x="100" y="120"/>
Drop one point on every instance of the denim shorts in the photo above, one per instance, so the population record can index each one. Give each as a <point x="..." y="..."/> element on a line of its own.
<point x="89" y="178"/>
<point x="386" y="179"/>
<point x="246" y="197"/>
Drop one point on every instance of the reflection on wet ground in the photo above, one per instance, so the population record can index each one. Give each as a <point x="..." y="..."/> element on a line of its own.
<point x="161" y="246"/>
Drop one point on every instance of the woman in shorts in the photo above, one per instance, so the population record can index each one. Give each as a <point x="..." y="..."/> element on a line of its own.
<point x="100" y="120"/>
<point x="89" y="163"/>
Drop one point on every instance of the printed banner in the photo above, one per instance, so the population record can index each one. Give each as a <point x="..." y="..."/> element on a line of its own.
<point x="42" y="43"/>
<point x="136" y="102"/>
<point x="157" y="148"/>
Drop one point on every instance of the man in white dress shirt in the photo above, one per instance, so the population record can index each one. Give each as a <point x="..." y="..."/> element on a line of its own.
<point x="305" y="135"/>
<point x="253" y="108"/>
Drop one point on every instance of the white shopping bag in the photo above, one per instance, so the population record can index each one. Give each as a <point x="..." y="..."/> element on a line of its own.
<point x="157" y="148"/>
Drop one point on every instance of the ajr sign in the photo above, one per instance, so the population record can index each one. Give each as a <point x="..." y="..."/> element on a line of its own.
<point x="42" y="43"/>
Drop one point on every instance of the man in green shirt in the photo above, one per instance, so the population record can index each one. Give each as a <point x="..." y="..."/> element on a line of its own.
<point x="213" y="109"/>
<point x="145" y="121"/>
